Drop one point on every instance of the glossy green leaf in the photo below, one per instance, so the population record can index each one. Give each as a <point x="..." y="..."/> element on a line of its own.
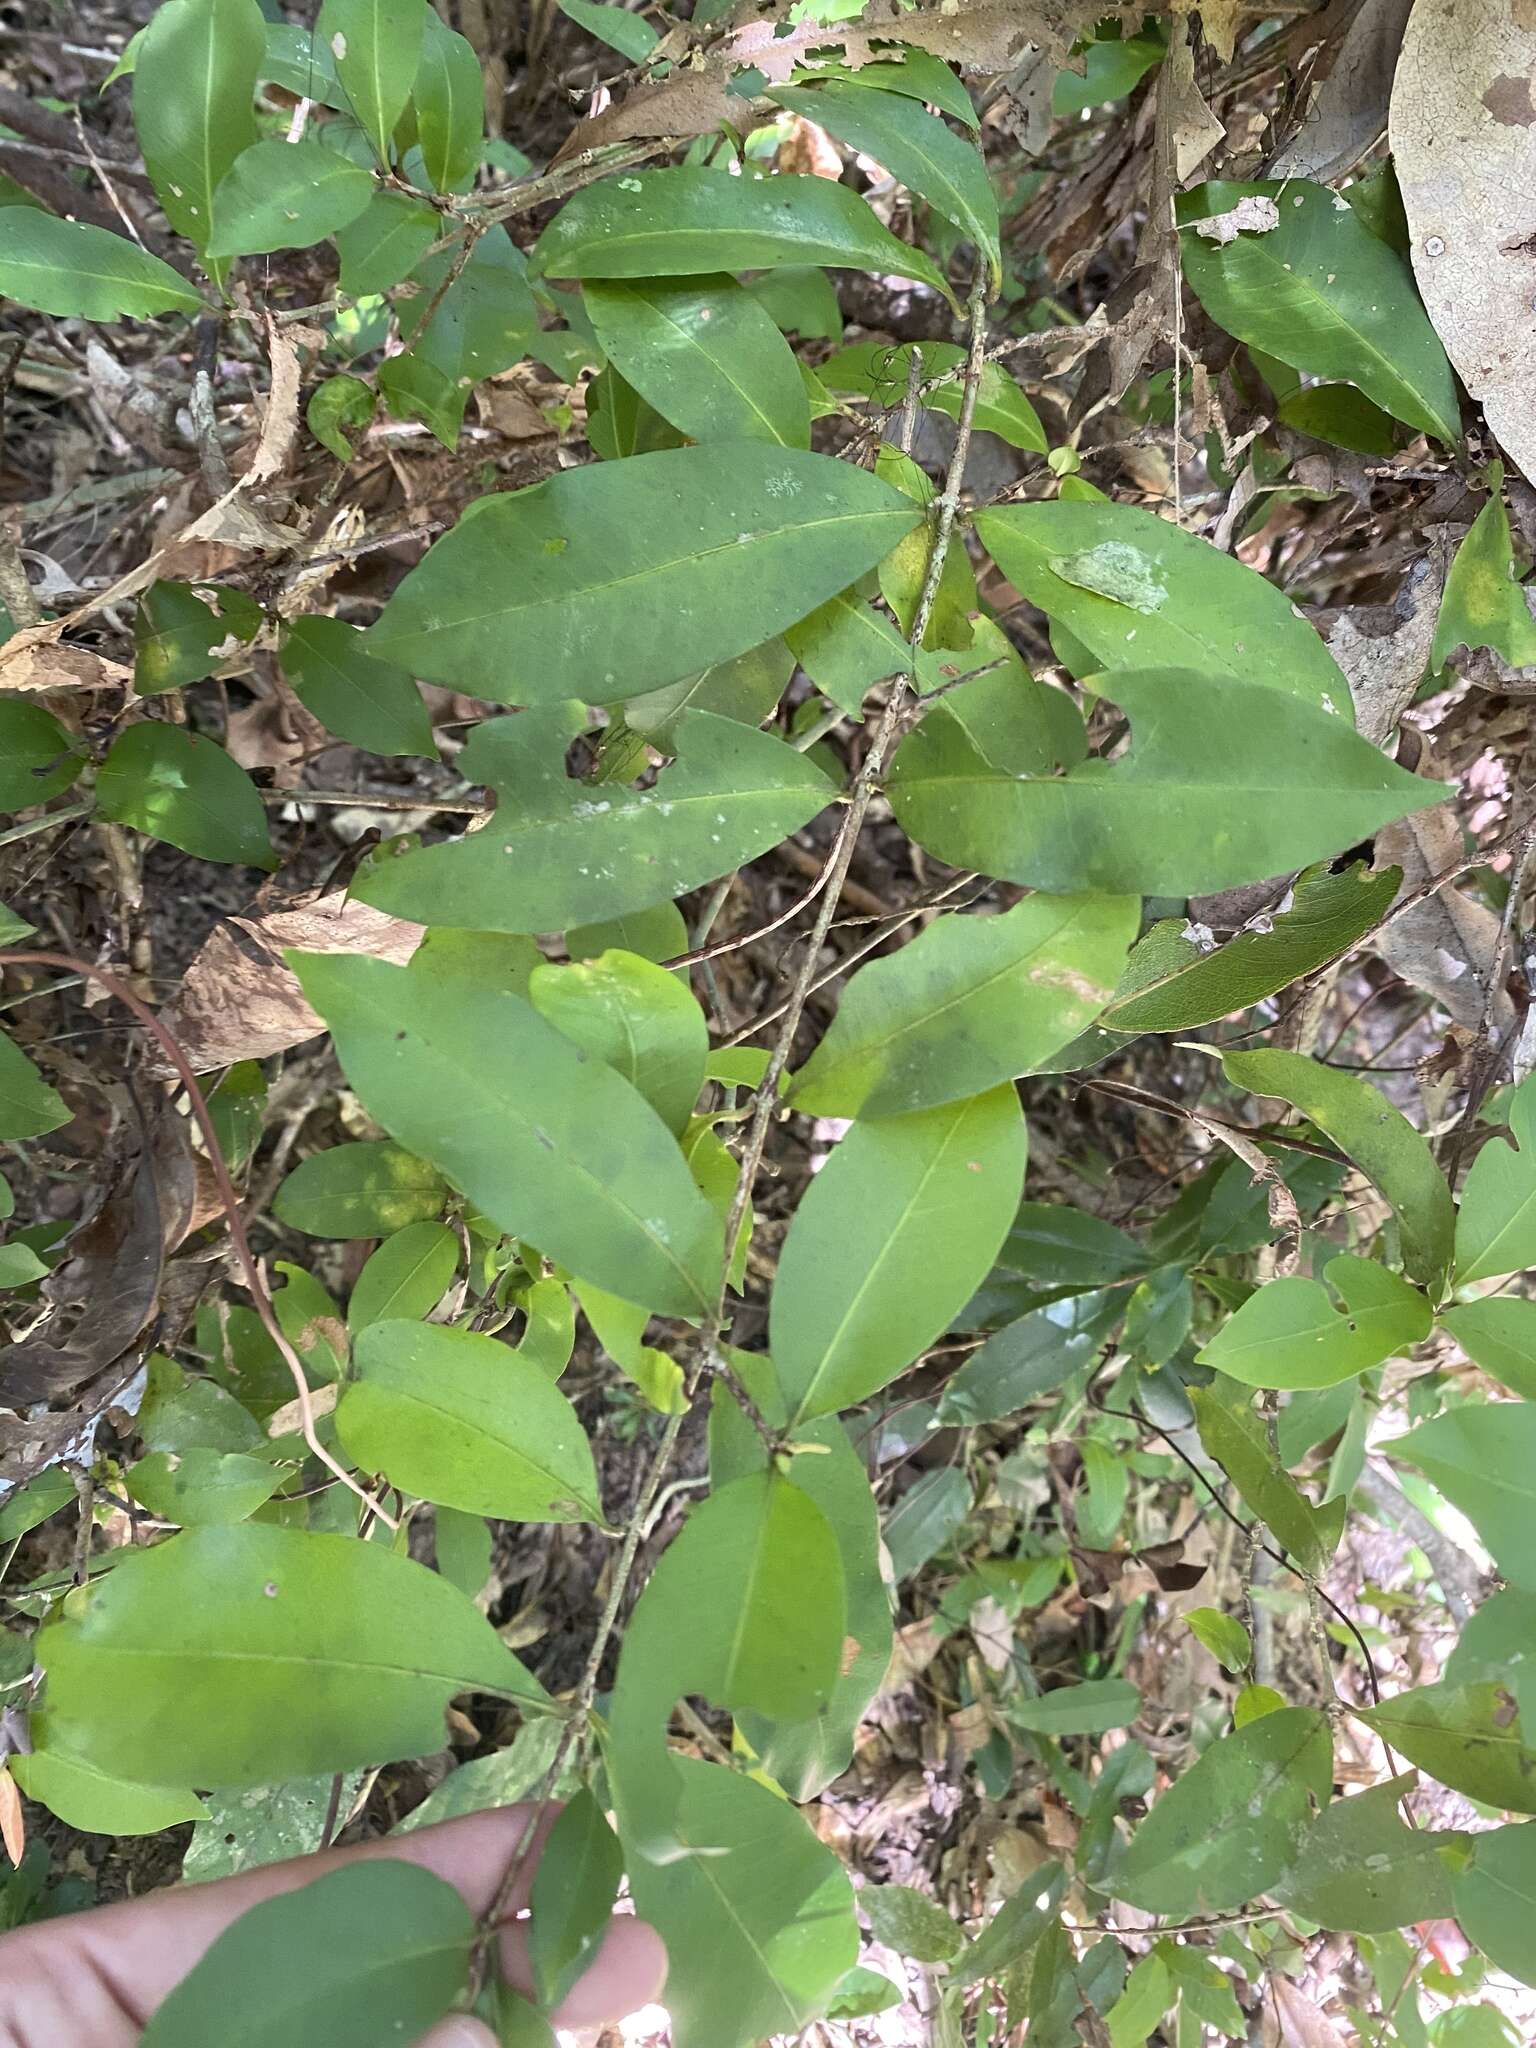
<point x="1499" y="1334"/>
<point x="406" y="1277"/>
<point x="20" y="1266"/>
<point x="879" y="371"/>
<point x="383" y="246"/>
<point x="1468" y="1736"/>
<point x="38" y="758"/>
<point x="608" y="580"/>
<point x="1321" y="292"/>
<point x="449" y="98"/>
<point x="376" y="47"/>
<point x="1225" y="782"/>
<point x="1235" y="1437"/>
<point x="480" y="325"/>
<point x="889" y="1242"/>
<point x="28" y="1106"/>
<point x="194" y="1487"/>
<point x="375" y="1949"/>
<point x="300" y="65"/>
<point x="194" y="85"/>
<point x="1091" y="1707"/>
<point x="694" y="222"/>
<point x="924" y="1519"/>
<point x="463" y="1420"/>
<point x="1029" y="1358"/>
<point x="174" y="635"/>
<point x="285" y="195"/>
<point x="1234" y="1822"/>
<point x="334" y="406"/>
<point x="463" y="1547"/>
<point x="202" y="1642"/>
<point x="1112" y="66"/>
<point x="89" y="1800"/>
<point x="76" y="271"/>
<point x="915" y="147"/>
<point x="627" y="33"/>
<point x="1496" y="1224"/>
<point x="724" y="1614"/>
<point x="759" y="1937"/>
<point x="1484" y="601"/>
<point x="1290" y="1334"/>
<point x="559" y="853"/>
<point x="746" y="689"/>
<point x="549" y="1143"/>
<point x="1223" y="1635"/>
<point x="1173" y="981"/>
<point x="1495" y="1899"/>
<point x="1378" y="1138"/>
<point x="620" y="423"/>
<point x="1342" y="416"/>
<point x="26" y="1507"/>
<point x="574" y="1888"/>
<point x="182" y="788"/>
<point x="903" y="574"/>
<point x="354" y="694"/>
<point x="970" y="1002"/>
<point x="845" y="645"/>
<point x="1148" y="1993"/>
<point x="909" y="1922"/>
<point x="638" y="1018"/>
<point x="706" y="355"/>
<point x="365" y="1189"/>
<point x="494" y="960"/>
<point x="1363" y="1870"/>
<point x="245" y="1830"/>
<point x="1482" y="1457"/>
<point x="1014" y="1928"/>
<point x="1199" y="609"/>
<point x="801" y="299"/>
<point x="907" y="70"/>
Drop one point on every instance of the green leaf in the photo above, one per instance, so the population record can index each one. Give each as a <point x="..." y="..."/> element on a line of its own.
<point x="1014" y="1929"/>
<point x="449" y="98"/>
<point x="1378" y="1138"/>
<point x="616" y="26"/>
<point x="28" y="1106"/>
<point x="75" y="271"/>
<point x="463" y="1420"/>
<point x="915" y="147"/>
<point x="365" y="1189"/>
<point x="1236" y="1438"/>
<point x="908" y="1921"/>
<point x="620" y="423"/>
<point x="1362" y="1870"/>
<point x="38" y="758"/>
<point x="905" y="70"/>
<point x="559" y="853"/>
<point x="182" y="788"/>
<point x="174" y="635"/>
<point x="1223" y="1635"/>
<point x="1111" y="68"/>
<point x="25" y="1508"/>
<point x="706" y="355"/>
<point x="1496" y="1225"/>
<point x="1484" y="602"/>
<point x="285" y="195"/>
<point x="300" y="65"/>
<point x="746" y="689"/>
<point x="1342" y="416"/>
<point x="655" y="934"/>
<point x="377" y="1948"/>
<point x="376" y="45"/>
<point x="1499" y="1334"/>
<point x="1322" y="293"/>
<point x="608" y="580"/>
<point x="877" y="370"/>
<point x="1225" y="783"/>
<point x="725" y="1614"/>
<point x="970" y="1002"/>
<point x="1482" y="1457"/>
<point x="480" y="326"/>
<point x="194" y="84"/>
<point x="193" y="1486"/>
<point x="550" y="1144"/>
<point x="904" y="572"/>
<point x="463" y="1547"/>
<point x="499" y="1779"/>
<point x="1172" y="982"/>
<point x="1495" y="1899"/>
<point x="759" y="1938"/>
<point x="381" y="248"/>
<point x="1290" y="1334"/>
<point x="801" y="300"/>
<point x="1467" y="1736"/>
<point x="924" y="1519"/>
<point x="1233" y="1824"/>
<point x="406" y="1277"/>
<point x="20" y="1266"/>
<point x="336" y="675"/>
<point x="845" y="645"/>
<point x="245" y="1830"/>
<point x="89" y="1800"/>
<point x="693" y="222"/>
<point x="1028" y="1358"/>
<point x="1215" y="614"/>
<point x="1148" y="1993"/>
<point x="203" y="1643"/>
<point x="638" y="1018"/>
<point x="574" y="1888"/>
<point x="1091" y="1707"/>
<point x="889" y="1242"/>
<point x="338" y="403"/>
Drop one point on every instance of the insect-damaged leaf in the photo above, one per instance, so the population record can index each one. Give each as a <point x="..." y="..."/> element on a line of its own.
<point x="550" y="1143"/>
<point x="560" y="853"/>
<point x="1470" y="1737"/>
<point x="1289" y="1333"/>
<point x="606" y="581"/>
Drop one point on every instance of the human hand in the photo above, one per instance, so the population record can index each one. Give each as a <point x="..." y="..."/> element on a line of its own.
<point x="92" y="1980"/>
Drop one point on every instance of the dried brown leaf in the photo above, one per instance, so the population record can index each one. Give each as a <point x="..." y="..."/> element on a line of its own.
<point x="40" y="666"/>
<point x="1347" y="106"/>
<point x="1446" y="944"/>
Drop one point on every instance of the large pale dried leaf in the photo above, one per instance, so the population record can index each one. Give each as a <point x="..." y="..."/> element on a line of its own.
<point x="687" y="103"/>
<point x="38" y="667"/>
<point x="992" y="35"/>
<point x="1463" y="128"/>
<point x="1302" y="2024"/>
<point x="239" y="1001"/>
<point x="1384" y="649"/>
<point x="1219" y="19"/>
<point x="1347" y="108"/>
<point x="1444" y="945"/>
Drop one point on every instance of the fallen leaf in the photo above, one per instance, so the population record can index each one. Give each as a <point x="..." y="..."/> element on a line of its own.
<point x="1346" y="111"/>
<point x="1384" y="649"/>
<point x="1446" y="944"/>
<point x="1463" y="130"/>
<point x="1302" y="2024"/>
<point x="38" y="667"/>
<point x="13" y="1828"/>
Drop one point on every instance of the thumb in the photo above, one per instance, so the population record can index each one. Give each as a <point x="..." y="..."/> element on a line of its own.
<point x="459" y="2032"/>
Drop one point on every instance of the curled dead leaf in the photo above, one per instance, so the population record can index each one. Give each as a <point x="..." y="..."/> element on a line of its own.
<point x="42" y="665"/>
